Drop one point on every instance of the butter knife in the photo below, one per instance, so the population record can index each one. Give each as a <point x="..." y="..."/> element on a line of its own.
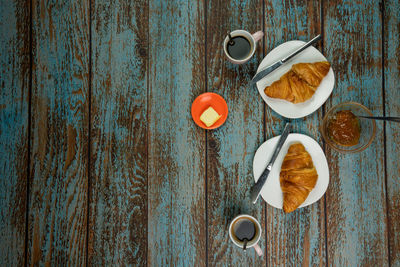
<point x="256" y="189"/>
<point x="279" y="63"/>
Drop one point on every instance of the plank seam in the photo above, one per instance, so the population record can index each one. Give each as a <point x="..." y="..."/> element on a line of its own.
<point x="29" y="133"/>
<point x="147" y="129"/>
<point x="323" y="141"/>
<point x="382" y="10"/>
<point x="264" y="137"/>
<point x="90" y="135"/>
<point x="205" y="131"/>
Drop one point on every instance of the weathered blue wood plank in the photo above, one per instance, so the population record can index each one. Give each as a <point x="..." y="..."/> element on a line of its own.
<point x="60" y="98"/>
<point x="356" y="200"/>
<point x="176" y="166"/>
<point x="118" y="188"/>
<point x="14" y="88"/>
<point x="299" y="237"/>
<point x="392" y="108"/>
<point x="231" y="148"/>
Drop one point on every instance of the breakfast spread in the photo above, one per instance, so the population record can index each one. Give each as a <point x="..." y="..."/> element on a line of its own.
<point x="298" y="177"/>
<point x="344" y="128"/>
<point x="209" y="116"/>
<point x="300" y="83"/>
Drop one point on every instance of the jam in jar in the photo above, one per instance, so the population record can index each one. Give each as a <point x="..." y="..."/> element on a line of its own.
<point x="344" y="128"/>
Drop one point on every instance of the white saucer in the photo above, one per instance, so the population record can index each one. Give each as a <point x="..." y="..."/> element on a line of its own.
<point x="286" y="108"/>
<point x="272" y="192"/>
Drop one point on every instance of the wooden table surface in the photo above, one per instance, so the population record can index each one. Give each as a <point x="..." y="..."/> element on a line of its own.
<point x="102" y="165"/>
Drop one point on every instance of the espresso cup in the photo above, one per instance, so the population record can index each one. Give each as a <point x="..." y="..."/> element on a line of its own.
<point x="236" y="223"/>
<point x="251" y="38"/>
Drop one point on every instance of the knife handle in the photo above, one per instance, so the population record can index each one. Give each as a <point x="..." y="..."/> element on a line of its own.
<point x="313" y="40"/>
<point x="282" y="139"/>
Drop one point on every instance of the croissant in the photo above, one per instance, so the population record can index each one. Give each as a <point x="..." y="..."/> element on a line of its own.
<point x="300" y="83"/>
<point x="298" y="177"/>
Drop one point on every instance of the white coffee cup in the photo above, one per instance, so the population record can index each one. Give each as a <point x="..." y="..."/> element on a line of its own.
<point x="252" y="38"/>
<point x="251" y="243"/>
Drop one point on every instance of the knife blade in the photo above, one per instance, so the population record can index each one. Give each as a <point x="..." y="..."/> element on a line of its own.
<point x="279" y="63"/>
<point x="266" y="71"/>
<point x="256" y="189"/>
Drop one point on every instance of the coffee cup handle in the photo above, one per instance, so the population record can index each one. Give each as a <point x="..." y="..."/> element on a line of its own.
<point x="258" y="35"/>
<point x="258" y="250"/>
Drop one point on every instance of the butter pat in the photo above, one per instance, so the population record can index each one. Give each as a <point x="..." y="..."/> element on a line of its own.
<point x="209" y="116"/>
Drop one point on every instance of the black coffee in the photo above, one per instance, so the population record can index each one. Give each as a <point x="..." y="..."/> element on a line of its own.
<point x="238" y="47"/>
<point x="244" y="229"/>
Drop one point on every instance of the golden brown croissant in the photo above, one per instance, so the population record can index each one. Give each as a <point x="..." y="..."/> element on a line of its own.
<point x="312" y="73"/>
<point x="298" y="177"/>
<point x="300" y="83"/>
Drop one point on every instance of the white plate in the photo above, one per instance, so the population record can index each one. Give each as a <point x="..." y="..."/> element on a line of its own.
<point x="286" y="108"/>
<point x="272" y="192"/>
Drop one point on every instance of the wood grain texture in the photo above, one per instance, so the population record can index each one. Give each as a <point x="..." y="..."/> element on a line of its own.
<point x="176" y="180"/>
<point x="118" y="193"/>
<point x="392" y="105"/>
<point x="14" y="92"/>
<point x="356" y="200"/>
<point x="231" y="147"/>
<point x="162" y="190"/>
<point x="58" y="200"/>
<point x="297" y="238"/>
